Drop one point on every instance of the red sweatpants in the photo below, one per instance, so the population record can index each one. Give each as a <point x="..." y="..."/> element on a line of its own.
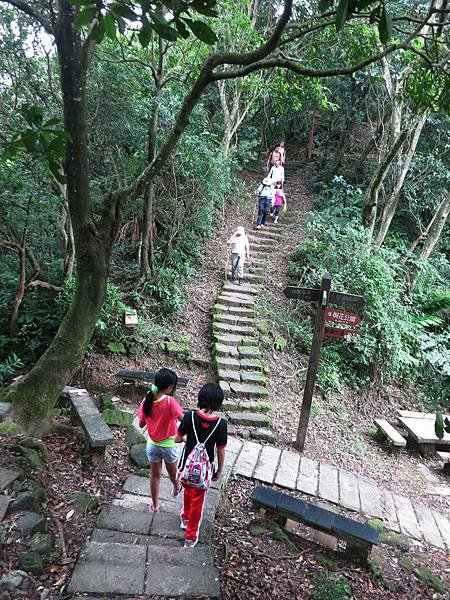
<point x="193" y="501"/>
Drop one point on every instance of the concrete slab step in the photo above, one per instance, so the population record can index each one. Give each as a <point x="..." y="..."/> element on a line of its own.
<point x="7" y="477"/>
<point x="234" y="310"/>
<point x="233" y="338"/>
<point x="220" y="317"/>
<point x="253" y="277"/>
<point x="234" y="300"/>
<point x="227" y="362"/>
<point x="245" y="330"/>
<point x="249" y="419"/>
<point x="4" y="503"/>
<point x="244" y="288"/>
<point x="110" y="569"/>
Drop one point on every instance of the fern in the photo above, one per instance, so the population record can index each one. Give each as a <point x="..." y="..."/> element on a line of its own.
<point x="10" y="367"/>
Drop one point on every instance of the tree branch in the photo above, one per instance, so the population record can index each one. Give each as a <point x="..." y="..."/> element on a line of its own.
<point x="31" y="12"/>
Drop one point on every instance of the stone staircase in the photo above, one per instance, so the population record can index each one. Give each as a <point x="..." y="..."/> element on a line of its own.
<point x="136" y="553"/>
<point x="237" y="357"/>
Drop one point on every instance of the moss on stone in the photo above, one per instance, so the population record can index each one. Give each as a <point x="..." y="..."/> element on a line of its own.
<point x="263" y="326"/>
<point x="280" y="343"/>
<point x="257" y="530"/>
<point x="8" y="428"/>
<point x="431" y="580"/>
<point x="266" y="341"/>
<point x="281" y="536"/>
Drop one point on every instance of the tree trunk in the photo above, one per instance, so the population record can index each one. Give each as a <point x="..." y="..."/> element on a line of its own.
<point x="36" y="394"/>
<point x="391" y="202"/>
<point x="371" y="196"/>
<point x="13" y="323"/>
<point x="435" y="230"/>
<point x="147" y="250"/>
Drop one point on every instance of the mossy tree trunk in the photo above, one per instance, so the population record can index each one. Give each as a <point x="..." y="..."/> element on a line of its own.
<point x="35" y="395"/>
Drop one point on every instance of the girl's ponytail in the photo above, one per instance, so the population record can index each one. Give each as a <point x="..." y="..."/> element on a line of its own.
<point x="165" y="379"/>
<point x="149" y="399"/>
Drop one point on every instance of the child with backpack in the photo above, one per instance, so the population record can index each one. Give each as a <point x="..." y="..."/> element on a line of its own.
<point x="160" y="412"/>
<point x="205" y="435"/>
<point x="278" y="200"/>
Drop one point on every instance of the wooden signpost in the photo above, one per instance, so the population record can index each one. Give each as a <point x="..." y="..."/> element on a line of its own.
<point x="323" y="296"/>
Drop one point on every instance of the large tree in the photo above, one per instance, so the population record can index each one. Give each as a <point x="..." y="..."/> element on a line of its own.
<point x="77" y="26"/>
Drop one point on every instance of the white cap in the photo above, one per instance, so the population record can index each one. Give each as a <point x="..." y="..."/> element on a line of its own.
<point x="240" y="230"/>
<point x="267" y="181"/>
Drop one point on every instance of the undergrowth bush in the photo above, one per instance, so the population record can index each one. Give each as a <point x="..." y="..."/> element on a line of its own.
<point x="404" y="338"/>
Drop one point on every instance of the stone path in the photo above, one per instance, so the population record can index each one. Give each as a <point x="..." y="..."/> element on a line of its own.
<point x="237" y="358"/>
<point x="271" y="465"/>
<point x="133" y="552"/>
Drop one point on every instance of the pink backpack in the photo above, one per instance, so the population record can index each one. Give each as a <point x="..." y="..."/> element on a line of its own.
<point x="197" y="471"/>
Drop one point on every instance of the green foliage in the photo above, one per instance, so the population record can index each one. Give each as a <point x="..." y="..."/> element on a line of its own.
<point x="170" y="21"/>
<point x="331" y="586"/>
<point x="40" y="138"/>
<point x="10" y="367"/>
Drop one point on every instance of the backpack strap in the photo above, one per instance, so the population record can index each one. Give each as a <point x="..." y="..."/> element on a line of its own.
<point x="193" y="427"/>
<point x="215" y="427"/>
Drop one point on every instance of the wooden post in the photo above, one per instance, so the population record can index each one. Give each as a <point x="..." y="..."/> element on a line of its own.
<point x="313" y="363"/>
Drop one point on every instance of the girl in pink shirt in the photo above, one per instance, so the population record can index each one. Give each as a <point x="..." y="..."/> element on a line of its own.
<point x="160" y="413"/>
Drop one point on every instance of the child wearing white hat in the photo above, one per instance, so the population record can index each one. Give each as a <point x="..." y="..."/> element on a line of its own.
<point x="240" y="250"/>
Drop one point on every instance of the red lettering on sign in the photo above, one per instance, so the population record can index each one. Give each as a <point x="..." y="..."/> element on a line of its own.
<point x="340" y="333"/>
<point x="342" y="316"/>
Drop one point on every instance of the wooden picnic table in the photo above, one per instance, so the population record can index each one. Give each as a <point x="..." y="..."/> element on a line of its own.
<point x="420" y="428"/>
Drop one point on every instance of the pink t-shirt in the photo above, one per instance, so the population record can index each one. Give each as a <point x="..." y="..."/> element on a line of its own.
<point x="162" y="422"/>
<point x="278" y="198"/>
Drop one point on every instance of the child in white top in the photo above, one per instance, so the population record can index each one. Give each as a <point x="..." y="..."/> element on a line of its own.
<point x="240" y="250"/>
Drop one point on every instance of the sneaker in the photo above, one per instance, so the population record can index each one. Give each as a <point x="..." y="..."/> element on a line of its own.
<point x="258" y="227"/>
<point x="239" y="281"/>
<point x="154" y="509"/>
<point x="183" y="523"/>
<point x="189" y="543"/>
<point x="276" y="220"/>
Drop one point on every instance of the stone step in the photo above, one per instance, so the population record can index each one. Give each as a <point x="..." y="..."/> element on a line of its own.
<point x="7" y="477"/>
<point x="266" y="434"/>
<point x="253" y="277"/>
<point x="249" y="352"/>
<point x="243" y="289"/>
<point x="248" y="390"/>
<point x="234" y="300"/>
<point x="234" y="339"/>
<point x="4" y="504"/>
<point x="253" y="377"/>
<point x="229" y="375"/>
<point x="265" y="234"/>
<point x="114" y="568"/>
<point x="261" y="248"/>
<point x="246" y="330"/>
<point x="257" y="241"/>
<point x="254" y="406"/>
<point x="225" y="351"/>
<point x="257" y="270"/>
<point x="232" y="319"/>
<point x="249" y="419"/>
<point x="226" y="362"/>
<point x="234" y="310"/>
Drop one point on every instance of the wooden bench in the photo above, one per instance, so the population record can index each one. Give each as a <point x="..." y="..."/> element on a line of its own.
<point x="97" y="434"/>
<point x="390" y="433"/>
<point x="445" y="457"/>
<point x="359" y="537"/>
<point x="145" y="377"/>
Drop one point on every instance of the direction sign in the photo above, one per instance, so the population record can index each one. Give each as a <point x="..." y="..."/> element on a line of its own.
<point x="309" y="294"/>
<point x="337" y="315"/>
<point x="340" y="333"/>
<point x="346" y="299"/>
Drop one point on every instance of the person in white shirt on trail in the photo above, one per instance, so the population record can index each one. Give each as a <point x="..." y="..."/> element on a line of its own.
<point x="276" y="173"/>
<point x="282" y="151"/>
<point x="240" y="250"/>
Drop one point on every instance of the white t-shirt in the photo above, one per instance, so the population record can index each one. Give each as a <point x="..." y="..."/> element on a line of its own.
<point x="239" y="244"/>
<point x="276" y="174"/>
